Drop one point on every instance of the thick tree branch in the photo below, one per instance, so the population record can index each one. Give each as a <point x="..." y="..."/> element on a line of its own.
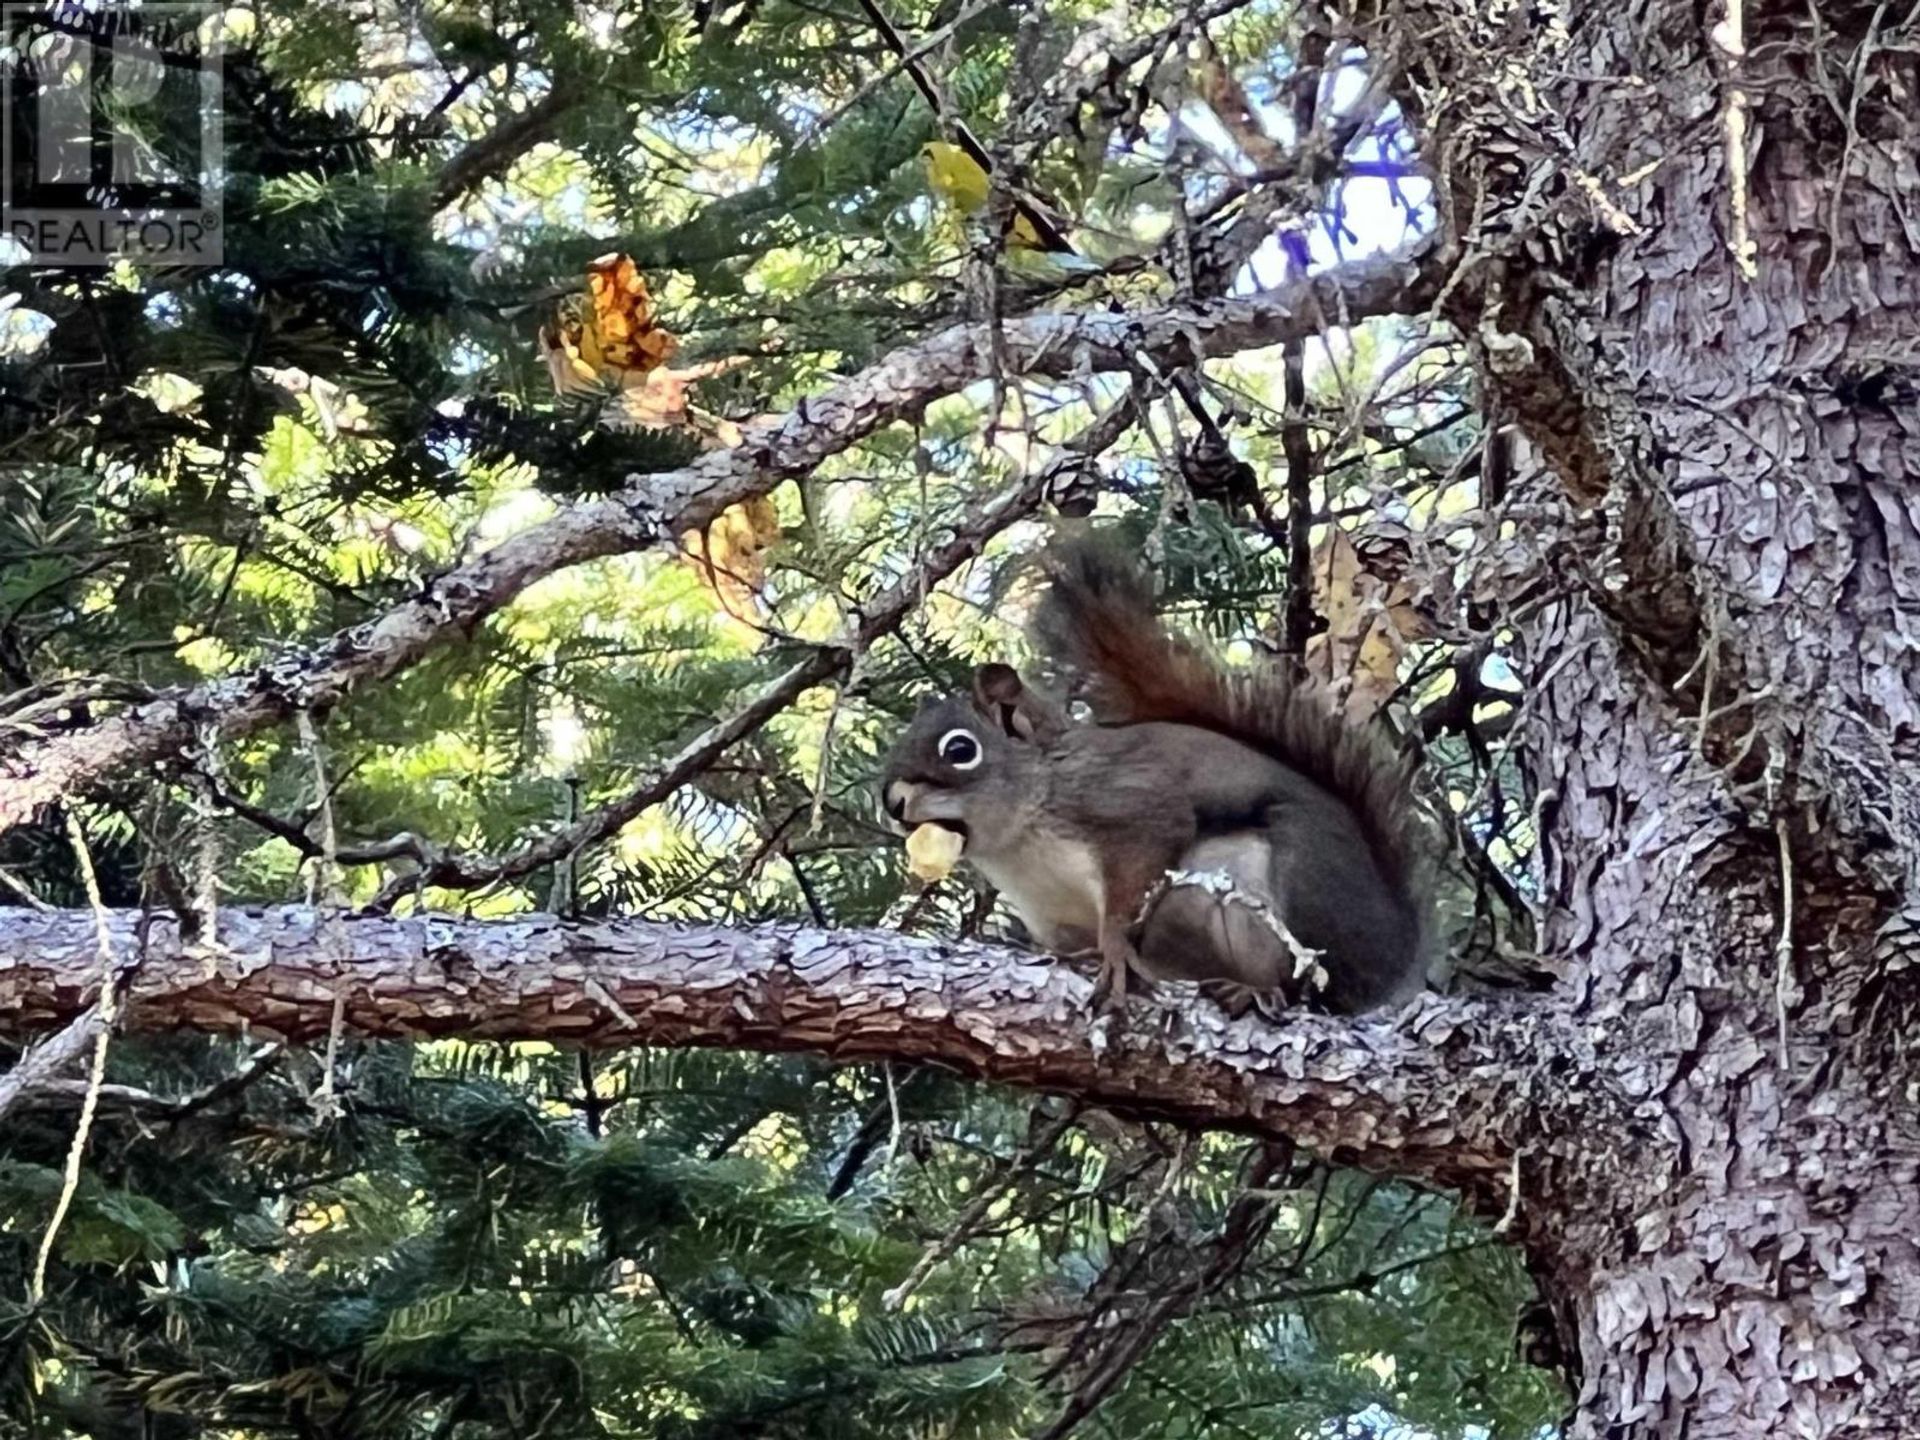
<point x="876" y="617"/>
<point x="494" y="153"/>
<point x="1446" y="1092"/>
<point x="654" y="509"/>
<point x="40" y="1063"/>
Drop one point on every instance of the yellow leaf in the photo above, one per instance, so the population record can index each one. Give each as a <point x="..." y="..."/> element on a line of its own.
<point x="608" y="340"/>
<point x="1370" y="623"/>
<point x="962" y="182"/>
<point x="956" y="176"/>
<point x="623" y="317"/>
<point x="730" y="556"/>
<point x="570" y="349"/>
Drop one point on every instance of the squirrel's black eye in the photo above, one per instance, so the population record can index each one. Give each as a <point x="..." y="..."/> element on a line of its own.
<point x="959" y="749"/>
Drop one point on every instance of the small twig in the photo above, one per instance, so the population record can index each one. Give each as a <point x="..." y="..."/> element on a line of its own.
<point x="893" y="1115"/>
<point x="931" y="42"/>
<point x="325" y="1104"/>
<point x="1783" y="983"/>
<point x="34" y="1069"/>
<point x="852" y="681"/>
<point x="43" y="1092"/>
<point x="1865" y="54"/>
<point x="263" y="1059"/>
<point x="19" y="887"/>
<point x="206" y="850"/>
<point x="1729" y="36"/>
<point x="107" y="1007"/>
<point x="1297" y="618"/>
<point x="326" y="880"/>
<point x="1363" y="1283"/>
<point x="1739" y="702"/>
<point x="325" y="892"/>
<point x="61" y="1092"/>
<point x="976" y="1211"/>
<point x="867" y="1136"/>
<point x="1173" y="491"/>
<point x="1212" y="1266"/>
<point x="601" y="996"/>
<point x="493" y="153"/>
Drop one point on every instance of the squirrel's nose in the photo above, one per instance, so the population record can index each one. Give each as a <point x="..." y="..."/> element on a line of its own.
<point x="898" y="793"/>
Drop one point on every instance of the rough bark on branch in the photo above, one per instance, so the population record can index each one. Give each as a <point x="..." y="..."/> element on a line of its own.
<point x="1445" y="1091"/>
<point x="653" y="509"/>
<point x="876" y="617"/>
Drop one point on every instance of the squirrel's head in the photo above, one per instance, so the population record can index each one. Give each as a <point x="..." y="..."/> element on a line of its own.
<point x="965" y="758"/>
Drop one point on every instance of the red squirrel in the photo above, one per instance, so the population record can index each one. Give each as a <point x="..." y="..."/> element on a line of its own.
<point x="1189" y="765"/>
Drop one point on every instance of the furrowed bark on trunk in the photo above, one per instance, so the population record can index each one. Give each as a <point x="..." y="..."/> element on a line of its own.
<point x="1731" y="811"/>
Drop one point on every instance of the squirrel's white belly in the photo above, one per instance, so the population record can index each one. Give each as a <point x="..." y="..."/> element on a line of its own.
<point x="1053" y="885"/>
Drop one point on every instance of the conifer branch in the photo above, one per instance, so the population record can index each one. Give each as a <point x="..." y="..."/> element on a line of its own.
<point x="1445" y="1091"/>
<point x="879" y="617"/>
<point x="493" y="154"/>
<point x="652" y="510"/>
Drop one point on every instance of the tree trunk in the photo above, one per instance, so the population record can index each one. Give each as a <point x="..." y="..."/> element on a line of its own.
<point x="1705" y="1139"/>
<point x="1728" y="815"/>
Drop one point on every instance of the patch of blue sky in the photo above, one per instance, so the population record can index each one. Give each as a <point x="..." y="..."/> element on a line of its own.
<point x="467" y="358"/>
<point x="166" y="311"/>
<point x="1496" y="673"/>
<point x="802" y="109"/>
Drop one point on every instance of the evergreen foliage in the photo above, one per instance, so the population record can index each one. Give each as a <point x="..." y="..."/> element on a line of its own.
<point x="204" y="468"/>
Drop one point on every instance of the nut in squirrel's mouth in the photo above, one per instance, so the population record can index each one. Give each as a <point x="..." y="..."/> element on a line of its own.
<point x="956" y="827"/>
<point x="933" y="850"/>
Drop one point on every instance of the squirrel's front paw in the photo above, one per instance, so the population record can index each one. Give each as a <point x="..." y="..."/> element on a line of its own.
<point x="1083" y="962"/>
<point x="1232" y="996"/>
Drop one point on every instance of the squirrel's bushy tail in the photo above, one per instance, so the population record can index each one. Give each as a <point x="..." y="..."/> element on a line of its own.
<point x="1097" y="619"/>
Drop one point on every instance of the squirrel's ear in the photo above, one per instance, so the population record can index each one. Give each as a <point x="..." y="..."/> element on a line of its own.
<point x="1000" y="695"/>
<point x="995" y="686"/>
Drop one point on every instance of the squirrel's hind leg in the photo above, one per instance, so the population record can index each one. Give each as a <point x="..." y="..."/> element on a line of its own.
<point x="1125" y="882"/>
<point x="1120" y="972"/>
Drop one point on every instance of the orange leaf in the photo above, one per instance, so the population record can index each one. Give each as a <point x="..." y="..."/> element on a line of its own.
<point x="609" y="339"/>
<point x="608" y="336"/>
<point x="623" y="314"/>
